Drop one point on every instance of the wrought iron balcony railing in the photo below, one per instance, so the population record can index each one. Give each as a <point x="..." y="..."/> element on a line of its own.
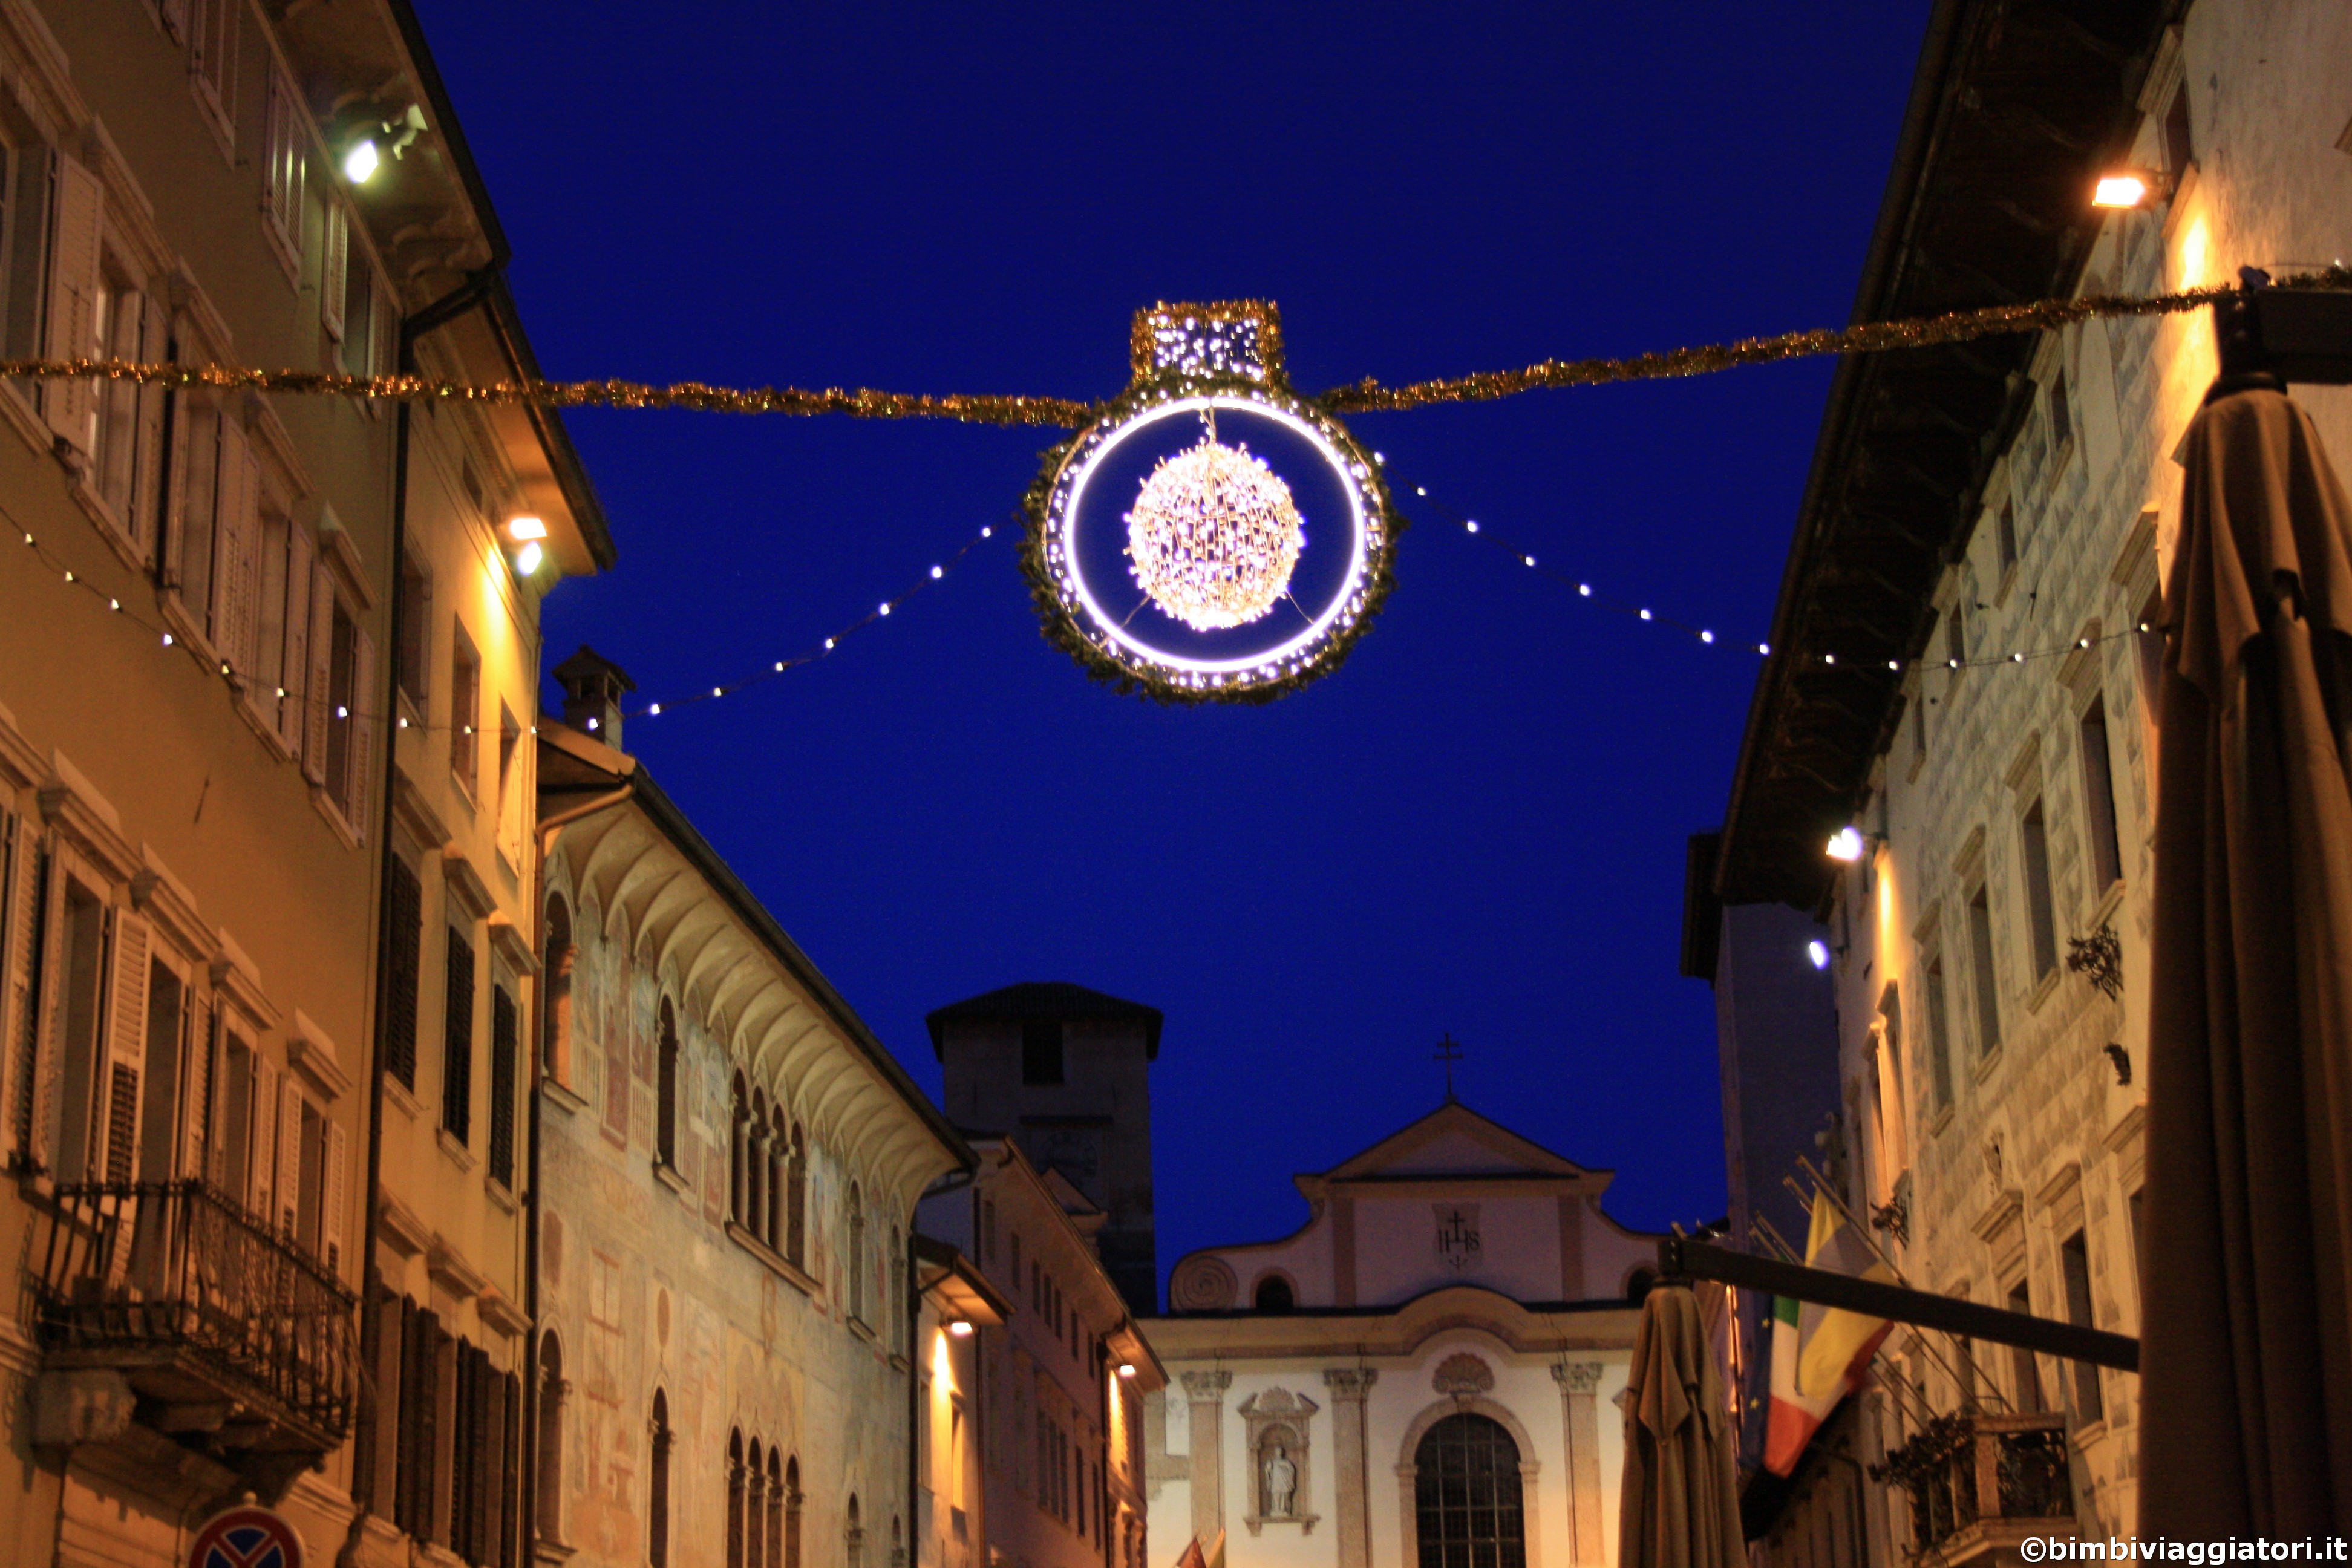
<point x="1978" y="1472"/>
<point x="195" y="1298"/>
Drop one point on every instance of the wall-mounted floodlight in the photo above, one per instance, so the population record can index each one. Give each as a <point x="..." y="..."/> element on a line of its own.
<point x="959" y="1328"/>
<point x="2125" y="188"/>
<point x="1819" y="952"/>
<point x="1847" y="844"/>
<point x="362" y="160"/>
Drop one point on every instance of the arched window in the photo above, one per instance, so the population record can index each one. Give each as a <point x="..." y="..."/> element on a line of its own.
<point x="736" y="1480"/>
<point x="550" y="1485"/>
<point x="556" y="1002"/>
<point x="665" y="1090"/>
<point x="1467" y="1508"/>
<point x="755" y="1167"/>
<point x="853" y="1261"/>
<point x="1274" y="1294"/>
<point x="779" y="1154"/>
<point x="897" y="1273"/>
<point x="657" y="1497"/>
<point x="1638" y="1284"/>
<point x="779" y="1532"/>
<point x="796" y="1199"/>
<point x="853" y="1537"/>
<point x="739" y="1165"/>
<point x="755" y="1487"/>
<point x="897" y="1549"/>
<point x="792" y="1511"/>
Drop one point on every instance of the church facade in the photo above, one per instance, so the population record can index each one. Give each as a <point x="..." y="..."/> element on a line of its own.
<point x="1421" y="1376"/>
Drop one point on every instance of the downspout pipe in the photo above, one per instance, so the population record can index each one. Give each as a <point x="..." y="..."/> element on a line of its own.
<point x="412" y="327"/>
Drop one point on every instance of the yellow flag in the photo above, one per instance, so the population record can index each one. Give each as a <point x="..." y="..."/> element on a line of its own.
<point x="1833" y="1345"/>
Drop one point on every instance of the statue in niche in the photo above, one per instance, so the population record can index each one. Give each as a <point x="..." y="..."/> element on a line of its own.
<point x="1281" y="1484"/>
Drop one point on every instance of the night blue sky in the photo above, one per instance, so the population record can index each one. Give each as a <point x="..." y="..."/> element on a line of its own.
<point x="1479" y="824"/>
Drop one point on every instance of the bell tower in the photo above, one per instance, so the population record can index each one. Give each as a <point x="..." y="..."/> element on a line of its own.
<point x="1066" y="1073"/>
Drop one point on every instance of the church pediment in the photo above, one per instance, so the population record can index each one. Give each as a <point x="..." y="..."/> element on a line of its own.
<point x="1454" y="1141"/>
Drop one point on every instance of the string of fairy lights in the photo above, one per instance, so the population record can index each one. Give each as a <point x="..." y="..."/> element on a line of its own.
<point x="166" y="639"/>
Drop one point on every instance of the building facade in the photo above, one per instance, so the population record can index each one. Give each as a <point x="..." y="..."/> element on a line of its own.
<point x="198" y="718"/>
<point x="1967" y="651"/>
<point x="1455" y="1318"/>
<point x="728" y="1164"/>
<point x="1056" y="1386"/>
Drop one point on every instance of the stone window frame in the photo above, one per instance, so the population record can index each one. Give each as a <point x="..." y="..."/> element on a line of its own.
<point x="1408" y="1471"/>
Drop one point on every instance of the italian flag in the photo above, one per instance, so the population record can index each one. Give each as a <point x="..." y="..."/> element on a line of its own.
<point x="1819" y="1353"/>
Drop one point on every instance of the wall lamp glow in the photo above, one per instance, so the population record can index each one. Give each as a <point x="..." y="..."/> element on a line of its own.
<point x="959" y="1328"/>
<point x="527" y="558"/>
<point x="1819" y="952"/>
<point x="1847" y="844"/>
<point x="2127" y="188"/>
<point x="527" y="532"/>
<point x="1126" y="1369"/>
<point x="365" y="156"/>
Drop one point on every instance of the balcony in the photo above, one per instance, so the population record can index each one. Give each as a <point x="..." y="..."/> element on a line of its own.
<point x="168" y="1306"/>
<point x="1981" y="1484"/>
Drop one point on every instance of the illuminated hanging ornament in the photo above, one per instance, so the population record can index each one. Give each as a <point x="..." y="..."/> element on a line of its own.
<point x="1210" y="586"/>
<point x="1214" y="535"/>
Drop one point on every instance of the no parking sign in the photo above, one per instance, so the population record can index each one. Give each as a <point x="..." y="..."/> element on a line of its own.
<point x="246" y="1537"/>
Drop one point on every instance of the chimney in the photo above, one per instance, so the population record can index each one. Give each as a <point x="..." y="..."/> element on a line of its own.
<point x="593" y="687"/>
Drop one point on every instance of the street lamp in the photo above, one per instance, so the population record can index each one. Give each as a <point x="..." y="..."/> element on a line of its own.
<point x="1847" y="844"/>
<point x="2122" y="189"/>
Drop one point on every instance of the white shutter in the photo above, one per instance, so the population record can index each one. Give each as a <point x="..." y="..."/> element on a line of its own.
<point x="333" y="269"/>
<point x="260" y="1149"/>
<point x="47" y="1034"/>
<point x="301" y="559"/>
<point x="146" y="493"/>
<point x="114" y="1152"/>
<point x="290" y="1152"/>
<point x="19" y="919"/>
<point x="322" y="672"/>
<point x="196" y="1109"/>
<point x="77" y="206"/>
<point x="364" y="722"/>
<point x="333" y="1222"/>
<point x="236" y="548"/>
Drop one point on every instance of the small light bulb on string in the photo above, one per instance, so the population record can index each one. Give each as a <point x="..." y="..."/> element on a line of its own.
<point x="654" y="710"/>
<point x="1706" y="637"/>
<point x="1530" y="560"/>
<point x="167" y="639"/>
<point x="1472" y="527"/>
<point x="1647" y="616"/>
<point x="1829" y="658"/>
<point x="886" y="607"/>
<point x="1584" y="589"/>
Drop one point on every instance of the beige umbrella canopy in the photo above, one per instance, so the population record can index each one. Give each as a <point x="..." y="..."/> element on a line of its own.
<point x="1680" y="1504"/>
<point x="2246" y="1421"/>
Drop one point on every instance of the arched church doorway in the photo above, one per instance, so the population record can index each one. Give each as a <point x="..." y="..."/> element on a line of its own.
<point x="1467" y="1498"/>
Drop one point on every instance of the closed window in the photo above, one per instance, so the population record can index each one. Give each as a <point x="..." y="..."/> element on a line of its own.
<point x="665" y="1089"/>
<point x="1468" y="1509"/>
<point x="1980" y="961"/>
<point x="2034" y="841"/>
<point x="1040" y="1051"/>
<point x="404" y="968"/>
<point x="2025" y="1366"/>
<point x="2074" y="1264"/>
<point x="503" y="1034"/>
<point x="465" y="712"/>
<point x="2099" y="797"/>
<point x="284" y="168"/>
<point x="1936" y="1028"/>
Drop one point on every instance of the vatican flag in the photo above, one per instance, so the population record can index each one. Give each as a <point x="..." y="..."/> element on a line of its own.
<point x="1820" y="1353"/>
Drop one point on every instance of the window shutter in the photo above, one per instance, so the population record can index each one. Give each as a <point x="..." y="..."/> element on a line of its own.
<point x="196" y="1113"/>
<point x="364" y="722"/>
<point x="47" y="1034"/>
<point x="126" y="1045"/>
<point x="237" y="545"/>
<point x="290" y="1152"/>
<point x="323" y="653"/>
<point x="20" y="916"/>
<point x="335" y="1224"/>
<point x="334" y="269"/>
<point x="503" y="1087"/>
<point x="404" y="964"/>
<point x="146" y="490"/>
<point x="76" y="205"/>
<point x="457" y="1038"/>
<point x="261" y="1142"/>
<point x="302" y="560"/>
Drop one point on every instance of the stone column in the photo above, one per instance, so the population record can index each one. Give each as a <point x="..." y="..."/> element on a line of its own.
<point x="1348" y="1385"/>
<point x="1578" y="1382"/>
<point x="1205" y="1391"/>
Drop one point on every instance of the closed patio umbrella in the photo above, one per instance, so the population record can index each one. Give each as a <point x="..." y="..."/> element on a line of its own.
<point x="1679" y="1507"/>
<point x="2246" y="1419"/>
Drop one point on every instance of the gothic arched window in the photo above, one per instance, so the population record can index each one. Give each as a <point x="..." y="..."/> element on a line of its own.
<point x="777" y="1505"/>
<point x="1468" y="1506"/>
<point x="657" y="1498"/>
<point x="757" y="1199"/>
<point x="779" y="1181"/>
<point x="791" y="1510"/>
<point x="852" y="1536"/>
<point x="739" y="1165"/>
<point x="853" y="1262"/>
<point x="549" y="1489"/>
<point x="735" y="1485"/>
<point x="796" y="1199"/>
<point x="665" y="1090"/>
<point x="555" y="1000"/>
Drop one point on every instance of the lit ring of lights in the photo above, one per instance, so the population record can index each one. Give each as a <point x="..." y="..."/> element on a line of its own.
<point x="1118" y="653"/>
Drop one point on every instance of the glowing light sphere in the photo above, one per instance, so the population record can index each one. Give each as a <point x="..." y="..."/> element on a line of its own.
<point x="1214" y="536"/>
<point x="1209" y="586"/>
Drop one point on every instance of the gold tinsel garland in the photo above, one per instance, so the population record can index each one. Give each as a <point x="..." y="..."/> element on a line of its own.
<point x="1364" y="396"/>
